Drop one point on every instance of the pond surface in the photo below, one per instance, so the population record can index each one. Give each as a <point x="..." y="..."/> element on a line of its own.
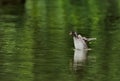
<point x="37" y="47"/>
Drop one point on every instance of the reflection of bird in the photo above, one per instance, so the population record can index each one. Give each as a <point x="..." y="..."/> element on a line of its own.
<point x="80" y="57"/>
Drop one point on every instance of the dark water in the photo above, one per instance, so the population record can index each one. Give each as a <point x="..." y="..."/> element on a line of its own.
<point x="35" y="44"/>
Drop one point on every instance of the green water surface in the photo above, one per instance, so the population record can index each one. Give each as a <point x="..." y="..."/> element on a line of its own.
<point x="35" y="44"/>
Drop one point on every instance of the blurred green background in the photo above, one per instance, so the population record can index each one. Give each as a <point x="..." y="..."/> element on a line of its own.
<point x="35" y="44"/>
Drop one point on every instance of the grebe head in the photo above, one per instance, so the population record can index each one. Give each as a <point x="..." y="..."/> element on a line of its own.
<point x="74" y="34"/>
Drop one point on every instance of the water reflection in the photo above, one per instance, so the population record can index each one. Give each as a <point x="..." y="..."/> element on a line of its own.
<point x="80" y="57"/>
